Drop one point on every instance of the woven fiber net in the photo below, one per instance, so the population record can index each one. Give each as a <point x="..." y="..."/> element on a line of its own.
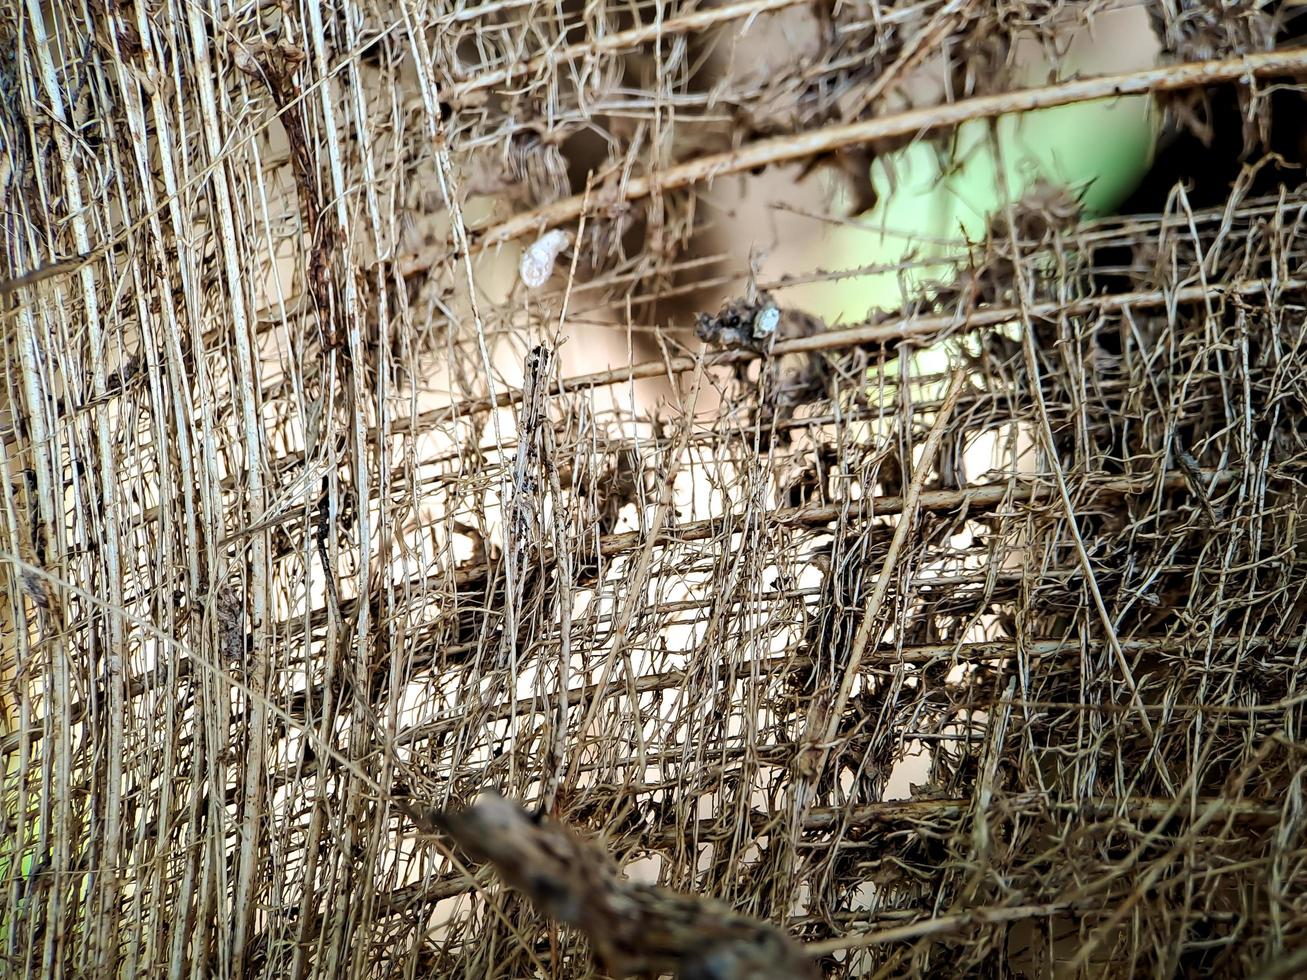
<point x="987" y="660"/>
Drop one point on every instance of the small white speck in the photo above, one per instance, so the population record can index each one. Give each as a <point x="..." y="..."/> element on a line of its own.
<point x="538" y="260"/>
<point x="765" y="321"/>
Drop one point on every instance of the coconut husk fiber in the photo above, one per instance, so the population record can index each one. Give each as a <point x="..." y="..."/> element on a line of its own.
<point x="392" y="415"/>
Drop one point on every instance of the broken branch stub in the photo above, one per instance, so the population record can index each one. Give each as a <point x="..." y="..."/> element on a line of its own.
<point x="632" y="927"/>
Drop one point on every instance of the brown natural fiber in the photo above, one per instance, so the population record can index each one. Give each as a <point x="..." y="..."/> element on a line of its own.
<point x="315" y="518"/>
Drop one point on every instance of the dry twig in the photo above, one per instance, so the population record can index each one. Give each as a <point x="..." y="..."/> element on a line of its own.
<point x="632" y="927"/>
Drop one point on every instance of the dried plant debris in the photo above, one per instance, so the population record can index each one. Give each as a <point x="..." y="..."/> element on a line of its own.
<point x="227" y="606"/>
<point x="748" y="324"/>
<point x="528" y="167"/>
<point x="1203" y="30"/>
<point x="632" y="927"/>
<point x="852" y="166"/>
<point x="617" y="486"/>
<point x="1046" y="213"/>
<point x="784" y="382"/>
<point x="1087" y="654"/>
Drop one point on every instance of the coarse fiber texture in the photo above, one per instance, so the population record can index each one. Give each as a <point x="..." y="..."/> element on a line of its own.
<point x="311" y="507"/>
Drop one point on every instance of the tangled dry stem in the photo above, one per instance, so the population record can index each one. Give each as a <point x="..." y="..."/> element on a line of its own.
<point x="273" y="563"/>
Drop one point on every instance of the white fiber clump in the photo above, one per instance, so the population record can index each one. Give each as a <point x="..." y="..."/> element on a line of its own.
<point x="538" y="260"/>
<point x="766" y="321"/>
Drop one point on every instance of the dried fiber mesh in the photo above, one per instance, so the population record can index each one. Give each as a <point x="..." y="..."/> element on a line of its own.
<point x="303" y="511"/>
